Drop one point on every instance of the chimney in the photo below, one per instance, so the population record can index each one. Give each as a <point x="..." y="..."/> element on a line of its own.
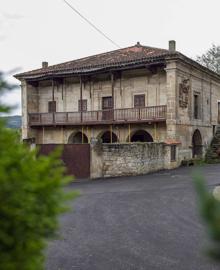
<point x="44" y="64"/>
<point x="172" y="45"/>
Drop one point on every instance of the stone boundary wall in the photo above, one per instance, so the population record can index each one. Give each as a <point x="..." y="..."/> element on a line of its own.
<point x="110" y="160"/>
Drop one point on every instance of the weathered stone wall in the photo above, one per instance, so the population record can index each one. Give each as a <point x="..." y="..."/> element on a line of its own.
<point x="131" y="83"/>
<point x="30" y="103"/>
<point x="181" y="123"/>
<point x="109" y="160"/>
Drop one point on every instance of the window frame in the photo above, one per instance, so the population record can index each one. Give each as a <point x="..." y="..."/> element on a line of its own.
<point x="82" y="105"/>
<point x="135" y="99"/>
<point x="173" y="153"/>
<point x="196" y="107"/>
<point x="52" y="106"/>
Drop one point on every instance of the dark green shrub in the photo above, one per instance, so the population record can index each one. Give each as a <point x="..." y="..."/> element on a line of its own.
<point x="210" y="212"/>
<point x="31" y="198"/>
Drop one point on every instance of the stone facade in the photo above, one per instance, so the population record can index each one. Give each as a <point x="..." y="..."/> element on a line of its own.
<point x="131" y="83"/>
<point x="207" y="88"/>
<point x="190" y="92"/>
<point x="161" y="88"/>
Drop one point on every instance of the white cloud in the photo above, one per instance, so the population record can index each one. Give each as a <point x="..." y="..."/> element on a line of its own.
<point x="36" y="31"/>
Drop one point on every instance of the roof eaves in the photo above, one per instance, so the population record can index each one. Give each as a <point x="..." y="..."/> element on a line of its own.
<point x="184" y="58"/>
<point x="89" y="68"/>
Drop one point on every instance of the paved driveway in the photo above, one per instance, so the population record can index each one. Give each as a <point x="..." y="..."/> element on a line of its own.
<point x="146" y="222"/>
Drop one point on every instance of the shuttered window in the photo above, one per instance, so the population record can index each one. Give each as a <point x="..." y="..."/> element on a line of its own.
<point x="82" y="105"/>
<point x="139" y="101"/>
<point x="51" y="106"/>
<point x="173" y="153"/>
<point x="196" y="106"/>
<point x="219" y="112"/>
<point x="107" y="103"/>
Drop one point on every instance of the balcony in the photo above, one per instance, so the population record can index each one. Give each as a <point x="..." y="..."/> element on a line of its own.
<point x="113" y="116"/>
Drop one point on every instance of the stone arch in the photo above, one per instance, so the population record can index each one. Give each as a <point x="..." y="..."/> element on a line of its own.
<point x="108" y="137"/>
<point x="77" y="137"/>
<point x="197" y="144"/>
<point x="141" y="136"/>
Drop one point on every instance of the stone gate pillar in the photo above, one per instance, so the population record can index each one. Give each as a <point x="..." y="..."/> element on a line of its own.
<point x="96" y="159"/>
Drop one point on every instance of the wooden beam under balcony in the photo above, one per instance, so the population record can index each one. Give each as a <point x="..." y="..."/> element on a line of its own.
<point x="151" y="114"/>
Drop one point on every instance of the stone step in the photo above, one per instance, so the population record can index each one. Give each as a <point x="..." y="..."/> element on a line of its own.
<point x="212" y="155"/>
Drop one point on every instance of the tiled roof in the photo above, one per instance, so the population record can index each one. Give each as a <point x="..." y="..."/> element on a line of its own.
<point x="134" y="56"/>
<point x="118" y="58"/>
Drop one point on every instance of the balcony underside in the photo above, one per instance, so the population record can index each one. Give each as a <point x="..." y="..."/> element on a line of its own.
<point x="105" y="117"/>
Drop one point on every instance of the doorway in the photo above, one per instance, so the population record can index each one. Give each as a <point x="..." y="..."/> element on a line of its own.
<point x="197" y="144"/>
<point x="107" y="107"/>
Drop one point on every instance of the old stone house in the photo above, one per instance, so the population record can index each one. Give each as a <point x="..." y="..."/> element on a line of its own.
<point x="135" y="94"/>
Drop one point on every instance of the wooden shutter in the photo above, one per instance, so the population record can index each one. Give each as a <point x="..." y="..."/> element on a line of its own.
<point x="107" y="103"/>
<point x="139" y="101"/>
<point x="173" y="153"/>
<point x="51" y="106"/>
<point x="82" y="106"/>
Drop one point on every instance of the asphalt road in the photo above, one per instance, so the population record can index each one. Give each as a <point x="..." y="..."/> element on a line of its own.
<point x="146" y="222"/>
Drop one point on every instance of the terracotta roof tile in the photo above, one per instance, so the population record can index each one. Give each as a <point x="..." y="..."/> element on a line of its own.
<point x="172" y="142"/>
<point x="116" y="58"/>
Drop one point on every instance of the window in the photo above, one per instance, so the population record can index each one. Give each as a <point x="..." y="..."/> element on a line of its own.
<point x="139" y="101"/>
<point x="82" y="105"/>
<point x="213" y="130"/>
<point x="173" y="153"/>
<point x="107" y="103"/>
<point x="196" y="106"/>
<point x="107" y="106"/>
<point x="218" y="112"/>
<point x="51" y="106"/>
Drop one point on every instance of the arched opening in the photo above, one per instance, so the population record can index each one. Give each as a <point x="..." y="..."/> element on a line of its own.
<point x="109" y="137"/>
<point x="141" y="136"/>
<point x="197" y="144"/>
<point x="78" y="137"/>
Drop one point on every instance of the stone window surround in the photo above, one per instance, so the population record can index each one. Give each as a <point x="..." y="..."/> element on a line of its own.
<point x="196" y="93"/>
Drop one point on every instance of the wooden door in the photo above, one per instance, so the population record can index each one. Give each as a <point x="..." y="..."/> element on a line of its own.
<point x="107" y="107"/>
<point x="75" y="157"/>
<point x="139" y="102"/>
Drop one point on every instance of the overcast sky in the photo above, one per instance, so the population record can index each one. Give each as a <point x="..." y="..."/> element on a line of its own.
<point x="32" y="31"/>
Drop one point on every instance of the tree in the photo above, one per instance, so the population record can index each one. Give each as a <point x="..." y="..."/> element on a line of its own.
<point x="211" y="59"/>
<point x="31" y="198"/>
<point x="210" y="212"/>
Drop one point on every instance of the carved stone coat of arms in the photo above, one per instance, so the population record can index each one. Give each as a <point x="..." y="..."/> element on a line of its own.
<point x="184" y="88"/>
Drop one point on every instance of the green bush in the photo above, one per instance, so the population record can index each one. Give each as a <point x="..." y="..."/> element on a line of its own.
<point x="210" y="212"/>
<point x="31" y="198"/>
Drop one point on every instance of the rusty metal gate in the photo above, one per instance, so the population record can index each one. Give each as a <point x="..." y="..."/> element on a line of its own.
<point x="76" y="157"/>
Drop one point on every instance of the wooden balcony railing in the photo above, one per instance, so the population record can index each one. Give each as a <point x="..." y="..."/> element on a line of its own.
<point x="129" y="115"/>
